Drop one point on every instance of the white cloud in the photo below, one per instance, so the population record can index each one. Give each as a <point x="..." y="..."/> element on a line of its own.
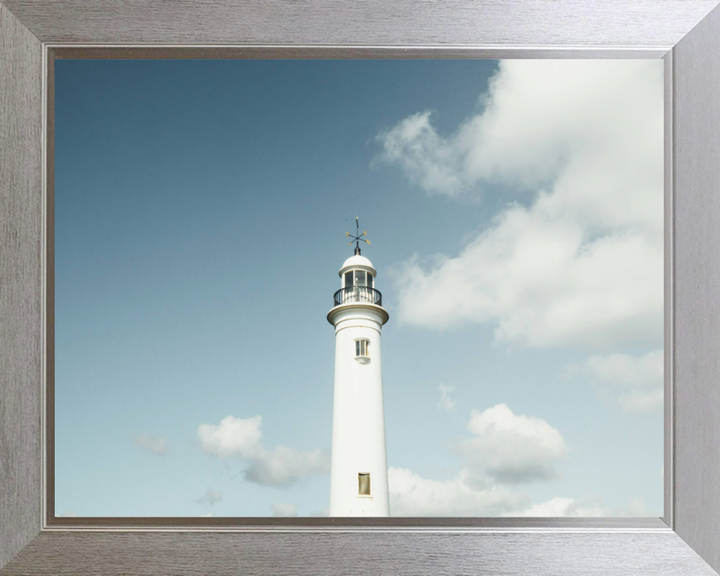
<point x="284" y="466"/>
<point x="446" y="400"/>
<point x="208" y="515"/>
<point x="648" y="401"/>
<point x="542" y="286"/>
<point x="552" y="508"/>
<point x="635" y="381"/>
<point x="504" y="449"/>
<point x="582" y="265"/>
<point x="565" y="507"/>
<point x="645" y="371"/>
<point x="427" y="158"/>
<point x="412" y="495"/>
<point x="210" y="497"/>
<point x="232" y="437"/>
<point x="569" y="507"/>
<point x="510" y="449"/>
<point x="284" y="510"/>
<point x="547" y="121"/>
<point x="281" y="466"/>
<point x="636" y="508"/>
<point x="155" y="444"/>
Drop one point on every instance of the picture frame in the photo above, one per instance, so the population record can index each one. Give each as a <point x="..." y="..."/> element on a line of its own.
<point x="685" y="33"/>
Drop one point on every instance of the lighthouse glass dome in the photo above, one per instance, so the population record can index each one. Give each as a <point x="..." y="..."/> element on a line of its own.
<point x="357" y="276"/>
<point x="222" y="348"/>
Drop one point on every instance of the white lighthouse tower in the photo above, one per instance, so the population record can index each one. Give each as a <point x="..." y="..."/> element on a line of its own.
<point x="358" y="479"/>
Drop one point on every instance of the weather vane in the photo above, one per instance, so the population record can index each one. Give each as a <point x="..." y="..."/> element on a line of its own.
<point x="357" y="238"/>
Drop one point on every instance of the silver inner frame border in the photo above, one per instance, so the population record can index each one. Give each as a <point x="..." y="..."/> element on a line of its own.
<point x="666" y="523"/>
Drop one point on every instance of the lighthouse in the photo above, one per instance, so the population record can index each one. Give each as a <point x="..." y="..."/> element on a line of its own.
<point x="358" y="477"/>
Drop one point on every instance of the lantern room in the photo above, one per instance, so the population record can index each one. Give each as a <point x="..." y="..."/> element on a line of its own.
<point x="357" y="282"/>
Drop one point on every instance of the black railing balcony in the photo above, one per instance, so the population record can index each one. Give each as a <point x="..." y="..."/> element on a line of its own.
<point x="354" y="294"/>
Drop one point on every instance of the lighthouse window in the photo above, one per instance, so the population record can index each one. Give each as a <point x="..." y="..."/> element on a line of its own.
<point x="361" y="347"/>
<point x="364" y="484"/>
<point x="348" y="279"/>
<point x="360" y="277"/>
<point x="369" y="280"/>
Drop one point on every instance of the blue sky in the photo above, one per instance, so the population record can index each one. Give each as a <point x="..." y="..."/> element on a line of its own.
<point x="515" y="214"/>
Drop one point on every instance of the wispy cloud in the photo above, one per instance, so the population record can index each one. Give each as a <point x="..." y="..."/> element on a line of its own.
<point x="242" y="437"/>
<point x="447" y="402"/>
<point x="435" y="163"/>
<point x="636" y="382"/>
<point x="283" y="466"/>
<point x="565" y="507"/>
<point x="589" y="508"/>
<point x="155" y="444"/>
<point x="210" y="497"/>
<point x="284" y="510"/>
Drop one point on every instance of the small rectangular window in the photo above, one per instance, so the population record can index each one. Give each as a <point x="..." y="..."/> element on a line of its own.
<point x="361" y="347"/>
<point x="364" y="484"/>
<point x="348" y="279"/>
<point x="370" y="280"/>
<point x="359" y="277"/>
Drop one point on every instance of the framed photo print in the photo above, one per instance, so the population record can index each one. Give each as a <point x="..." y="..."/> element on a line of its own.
<point x="282" y="286"/>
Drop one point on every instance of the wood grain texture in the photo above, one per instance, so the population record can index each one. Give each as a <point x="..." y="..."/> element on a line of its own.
<point x="697" y="288"/>
<point x="613" y="554"/>
<point x="20" y="297"/>
<point x="369" y="22"/>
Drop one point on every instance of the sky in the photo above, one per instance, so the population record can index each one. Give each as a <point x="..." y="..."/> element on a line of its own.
<point x="515" y="212"/>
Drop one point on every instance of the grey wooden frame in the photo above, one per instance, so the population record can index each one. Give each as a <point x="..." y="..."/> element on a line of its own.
<point x="685" y="32"/>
